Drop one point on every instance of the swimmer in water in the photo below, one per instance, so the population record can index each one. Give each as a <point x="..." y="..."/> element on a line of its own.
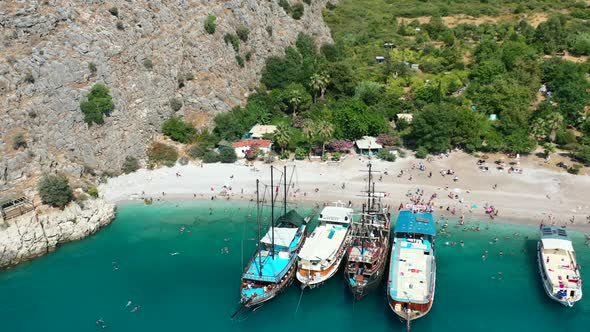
<point x="128" y="303"/>
<point x="99" y="321"/>
<point x="135" y="309"/>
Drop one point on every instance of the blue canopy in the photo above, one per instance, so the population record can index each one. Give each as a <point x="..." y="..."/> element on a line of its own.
<point x="419" y="223"/>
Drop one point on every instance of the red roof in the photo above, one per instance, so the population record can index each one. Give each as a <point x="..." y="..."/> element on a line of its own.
<point x="261" y="143"/>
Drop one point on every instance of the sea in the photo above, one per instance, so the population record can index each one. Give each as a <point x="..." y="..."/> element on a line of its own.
<point x="176" y="266"/>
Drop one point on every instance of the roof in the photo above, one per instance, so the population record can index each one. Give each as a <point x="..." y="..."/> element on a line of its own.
<point x="419" y="223"/>
<point x="557" y="244"/>
<point x="260" y="130"/>
<point x="11" y="198"/>
<point x="336" y="214"/>
<point x="553" y="232"/>
<point x="262" y="143"/>
<point x="291" y="219"/>
<point x="368" y="142"/>
<point x="324" y="242"/>
<point x="283" y="236"/>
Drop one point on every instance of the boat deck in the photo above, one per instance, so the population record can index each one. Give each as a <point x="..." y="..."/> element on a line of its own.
<point x="411" y="271"/>
<point x="560" y="267"/>
<point x="323" y="244"/>
<point x="273" y="267"/>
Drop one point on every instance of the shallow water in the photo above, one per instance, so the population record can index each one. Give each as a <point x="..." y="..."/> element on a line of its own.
<point x="197" y="290"/>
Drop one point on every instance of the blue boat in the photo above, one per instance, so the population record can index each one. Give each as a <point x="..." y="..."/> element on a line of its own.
<point x="272" y="269"/>
<point x="412" y="269"/>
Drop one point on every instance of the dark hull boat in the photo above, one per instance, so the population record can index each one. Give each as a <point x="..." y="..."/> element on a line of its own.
<point x="366" y="258"/>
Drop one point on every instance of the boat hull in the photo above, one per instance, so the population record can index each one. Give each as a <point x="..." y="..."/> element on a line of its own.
<point x="546" y="286"/>
<point x="373" y="283"/>
<point x="251" y="302"/>
<point x="418" y="310"/>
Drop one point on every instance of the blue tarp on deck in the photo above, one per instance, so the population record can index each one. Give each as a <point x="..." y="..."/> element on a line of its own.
<point x="419" y="223"/>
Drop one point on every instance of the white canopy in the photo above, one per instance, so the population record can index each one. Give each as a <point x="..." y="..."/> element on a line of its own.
<point x="336" y="214"/>
<point x="324" y="243"/>
<point x="283" y="236"/>
<point x="557" y="244"/>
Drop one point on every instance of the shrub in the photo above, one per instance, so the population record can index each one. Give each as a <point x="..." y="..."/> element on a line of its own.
<point x="130" y="165"/>
<point x="183" y="161"/>
<point x="233" y="40"/>
<point x="583" y="155"/>
<point x="197" y="151"/>
<point x="340" y="145"/>
<point x="29" y="78"/>
<point x="285" y="5"/>
<point x="330" y="52"/>
<point x="210" y="157"/>
<point x="300" y="153"/>
<point x="92" y="191"/>
<point x="336" y="156"/>
<point x="55" y="190"/>
<point x="575" y="169"/>
<point x="178" y="130"/>
<point x="114" y="11"/>
<point x="253" y="153"/>
<point x="92" y="67"/>
<point x="269" y="30"/>
<point x="565" y="137"/>
<point x="243" y="33"/>
<point x="248" y="56"/>
<point x="307" y="2"/>
<point x="148" y="64"/>
<point x="330" y="6"/>
<point x="240" y="61"/>
<point x="19" y="141"/>
<point x="160" y="153"/>
<point x="386" y="140"/>
<point x="120" y="25"/>
<point x="98" y="104"/>
<point x="386" y="155"/>
<point x="228" y="155"/>
<point x="175" y="104"/>
<point x="210" y="24"/>
<point x="285" y="154"/>
<point x="421" y="152"/>
<point x="297" y="11"/>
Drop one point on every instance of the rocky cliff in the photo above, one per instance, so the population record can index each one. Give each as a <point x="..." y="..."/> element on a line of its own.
<point x="53" y="51"/>
<point x="33" y="235"/>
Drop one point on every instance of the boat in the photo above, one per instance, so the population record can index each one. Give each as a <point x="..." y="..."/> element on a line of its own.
<point x="412" y="269"/>
<point x="366" y="258"/>
<point x="559" y="270"/>
<point x="321" y="255"/>
<point x="272" y="269"/>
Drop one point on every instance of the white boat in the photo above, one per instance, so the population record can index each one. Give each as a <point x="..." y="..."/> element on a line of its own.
<point x="322" y="253"/>
<point x="559" y="270"/>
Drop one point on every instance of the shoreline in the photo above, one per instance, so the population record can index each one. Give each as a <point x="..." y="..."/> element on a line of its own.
<point x="527" y="198"/>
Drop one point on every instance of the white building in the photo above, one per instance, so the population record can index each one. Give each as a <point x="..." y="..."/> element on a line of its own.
<point x="258" y="131"/>
<point x="241" y="147"/>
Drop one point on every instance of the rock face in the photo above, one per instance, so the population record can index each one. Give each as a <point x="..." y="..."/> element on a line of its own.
<point x="33" y="235"/>
<point x="53" y="51"/>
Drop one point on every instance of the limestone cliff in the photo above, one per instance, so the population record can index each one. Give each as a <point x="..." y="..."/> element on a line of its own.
<point x="33" y="235"/>
<point x="53" y="51"/>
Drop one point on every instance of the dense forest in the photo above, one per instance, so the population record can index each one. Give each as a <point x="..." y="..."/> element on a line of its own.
<point x="475" y="75"/>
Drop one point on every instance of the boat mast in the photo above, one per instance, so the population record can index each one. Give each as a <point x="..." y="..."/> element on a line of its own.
<point x="272" y="213"/>
<point x="285" y="190"/>
<point x="369" y="190"/>
<point x="258" y="219"/>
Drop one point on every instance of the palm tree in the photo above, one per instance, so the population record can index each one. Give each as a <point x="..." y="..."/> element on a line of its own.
<point x="549" y="148"/>
<point x="554" y="122"/>
<point x="309" y="132"/>
<point x="282" y="137"/>
<point x="539" y="129"/>
<point x="295" y="100"/>
<point x="319" y="82"/>
<point x="324" y="132"/>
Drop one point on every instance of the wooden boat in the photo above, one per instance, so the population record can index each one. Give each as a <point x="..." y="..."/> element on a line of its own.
<point x="272" y="268"/>
<point x="559" y="270"/>
<point x="412" y="270"/>
<point x="324" y="249"/>
<point x="366" y="258"/>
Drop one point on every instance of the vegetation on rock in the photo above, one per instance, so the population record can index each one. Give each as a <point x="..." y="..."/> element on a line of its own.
<point x="210" y="24"/>
<point x="130" y="165"/>
<point x="98" y="105"/>
<point x="55" y="190"/>
<point x="178" y="130"/>
<point x="162" y="154"/>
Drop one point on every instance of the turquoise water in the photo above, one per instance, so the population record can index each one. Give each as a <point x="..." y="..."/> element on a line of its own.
<point x="198" y="289"/>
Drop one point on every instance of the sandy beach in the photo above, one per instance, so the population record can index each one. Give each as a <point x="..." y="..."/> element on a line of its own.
<point x="534" y="196"/>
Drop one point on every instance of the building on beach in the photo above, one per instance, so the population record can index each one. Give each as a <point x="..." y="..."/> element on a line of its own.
<point x="241" y="147"/>
<point x="258" y="131"/>
<point x="15" y="205"/>
<point x="367" y="145"/>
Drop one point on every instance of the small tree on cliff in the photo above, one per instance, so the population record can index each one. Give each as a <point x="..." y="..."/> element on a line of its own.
<point x="55" y="190"/>
<point x="98" y="104"/>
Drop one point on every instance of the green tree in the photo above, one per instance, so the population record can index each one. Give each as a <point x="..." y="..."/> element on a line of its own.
<point x="210" y="24"/>
<point x="369" y="92"/>
<point x="228" y="155"/>
<point x="130" y="165"/>
<point x="309" y="129"/>
<point x="243" y="33"/>
<point x="19" y="141"/>
<point x="583" y="154"/>
<point x="324" y="131"/>
<point x="282" y="136"/>
<point x="297" y="98"/>
<point x="554" y="123"/>
<point x="98" y="104"/>
<point x="319" y="82"/>
<point x="297" y="11"/>
<point x="548" y="148"/>
<point x="178" y="130"/>
<point x="55" y="190"/>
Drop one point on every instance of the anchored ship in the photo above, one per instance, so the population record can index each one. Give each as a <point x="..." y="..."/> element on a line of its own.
<point x="559" y="270"/>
